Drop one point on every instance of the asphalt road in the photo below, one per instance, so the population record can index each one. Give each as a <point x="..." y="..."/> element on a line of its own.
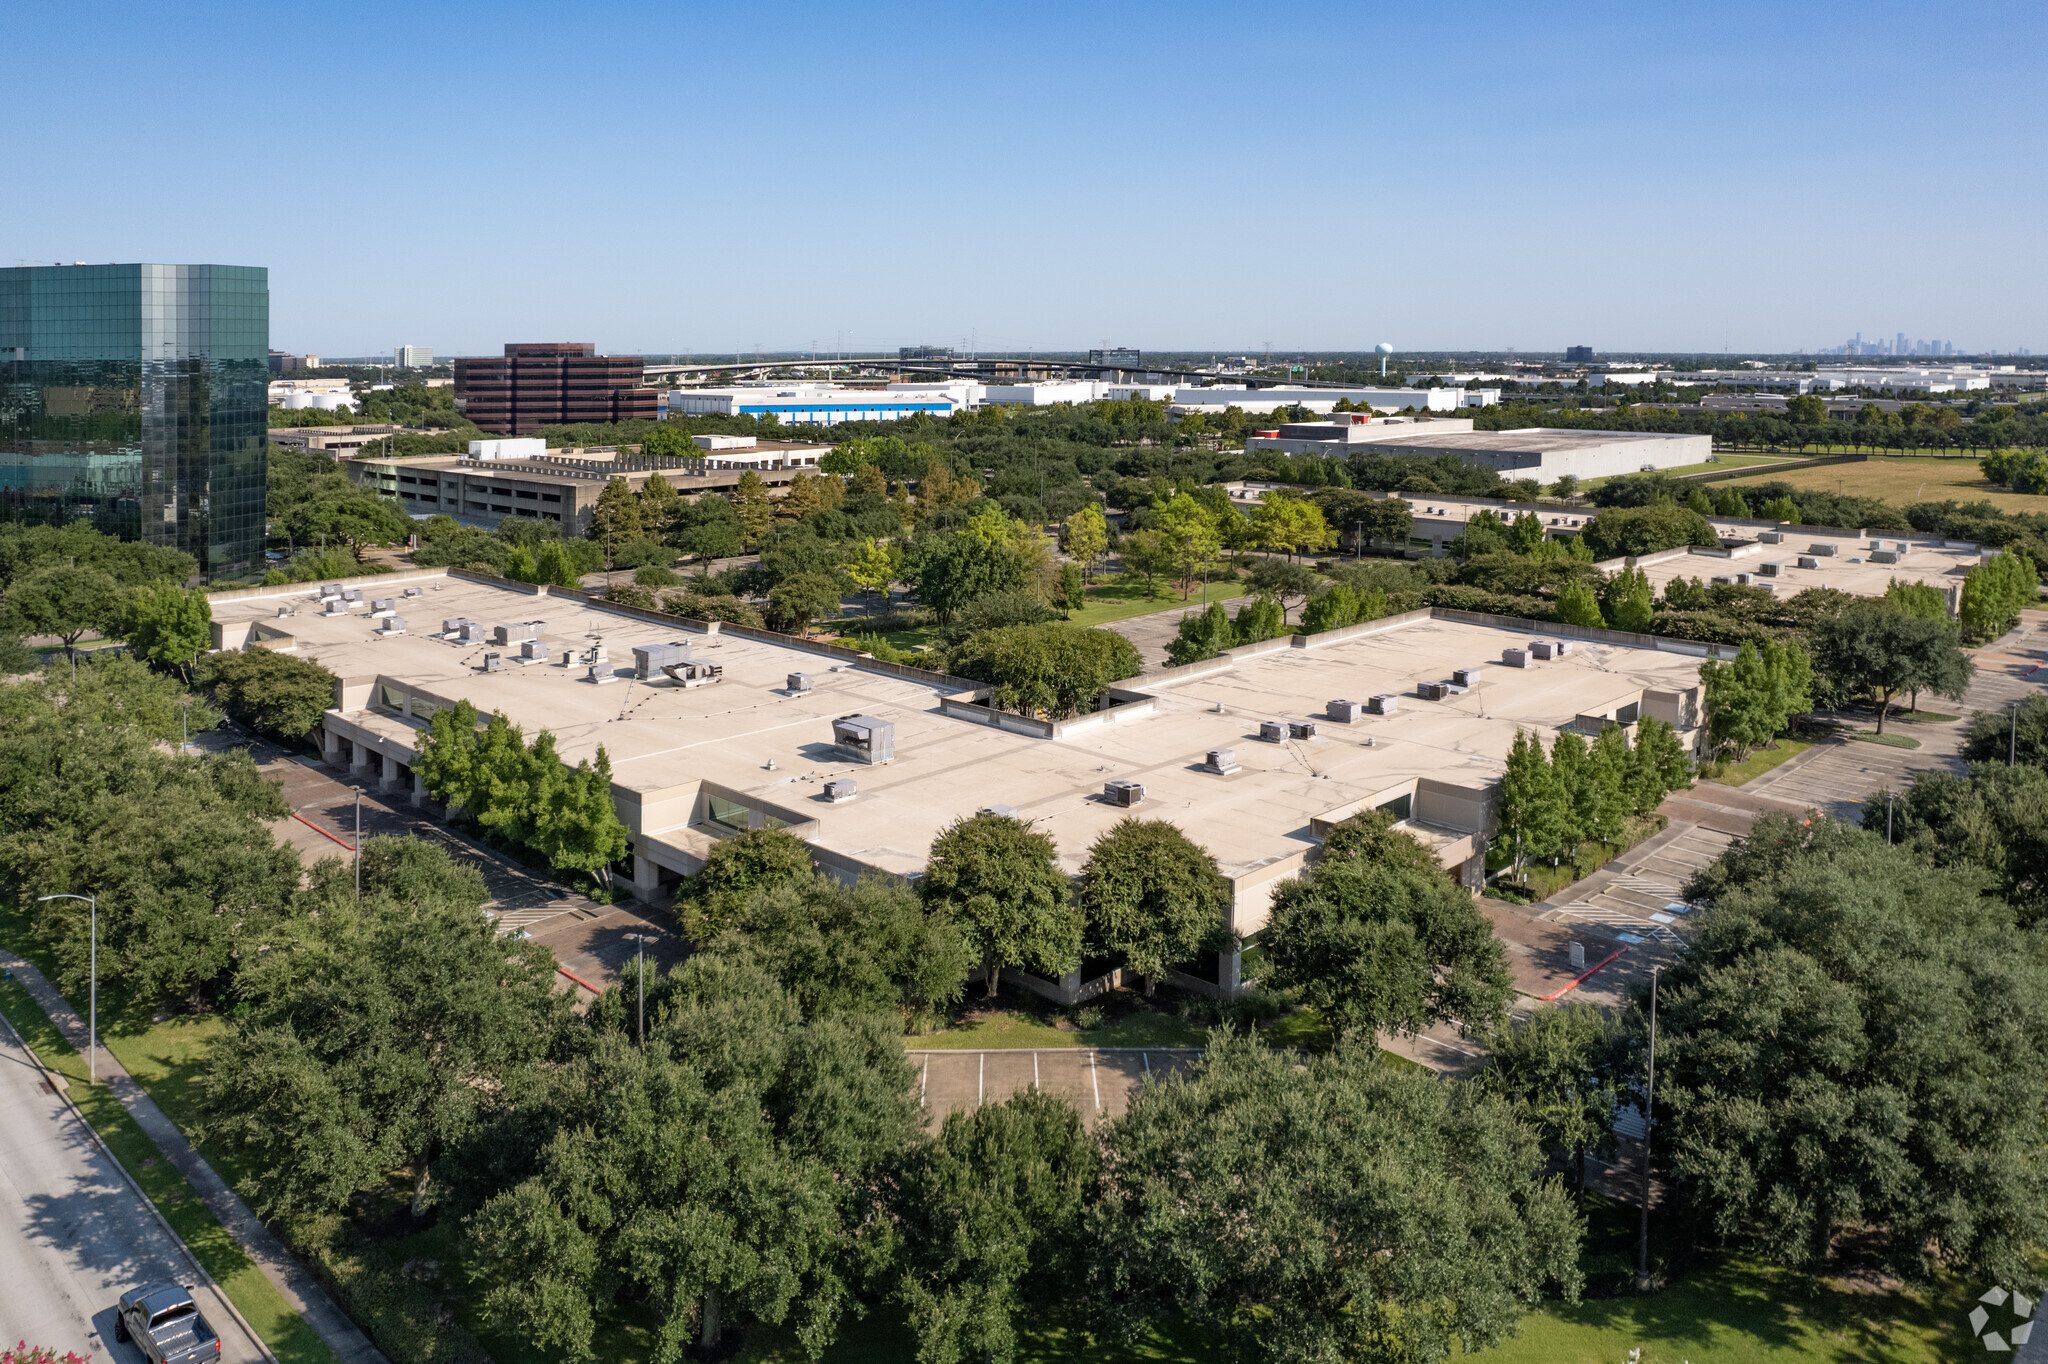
<point x="74" y="1234"/>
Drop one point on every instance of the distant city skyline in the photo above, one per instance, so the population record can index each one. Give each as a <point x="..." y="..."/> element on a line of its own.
<point x="1186" y="177"/>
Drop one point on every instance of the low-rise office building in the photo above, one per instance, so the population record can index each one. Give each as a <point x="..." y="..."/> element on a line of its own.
<point x="1537" y="452"/>
<point x="1256" y="754"/>
<point x="563" y="487"/>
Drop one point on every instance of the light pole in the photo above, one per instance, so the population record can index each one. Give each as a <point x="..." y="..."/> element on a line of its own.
<point x="1649" y="1105"/>
<point x="640" y="970"/>
<point x="92" y="1034"/>
<point x="359" y="840"/>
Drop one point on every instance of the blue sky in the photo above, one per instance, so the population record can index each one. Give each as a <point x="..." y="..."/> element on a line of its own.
<point x="670" y="178"/>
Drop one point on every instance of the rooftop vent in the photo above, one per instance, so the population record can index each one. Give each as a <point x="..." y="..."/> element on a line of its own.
<point x="864" y="738"/>
<point x="494" y="662"/>
<point x="1121" y="792"/>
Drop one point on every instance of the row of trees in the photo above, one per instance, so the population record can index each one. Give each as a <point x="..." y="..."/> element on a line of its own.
<point x="1551" y="805"/>
<point x="523" y="793"/>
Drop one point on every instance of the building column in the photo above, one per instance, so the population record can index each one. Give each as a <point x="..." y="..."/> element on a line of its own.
<point x="363" y="761"/>
<point x="394" y="773"/>
<point x="646" y="880"/>
<point x="1230" y="971"/>
<point x="419" y="789"/>
<point x="330" y="747"/>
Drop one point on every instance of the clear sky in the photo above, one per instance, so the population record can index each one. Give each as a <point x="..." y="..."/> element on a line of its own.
<point x="1187" y="176"/>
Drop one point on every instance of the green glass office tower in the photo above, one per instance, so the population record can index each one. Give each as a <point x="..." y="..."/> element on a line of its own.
<point x="136" y="396"/>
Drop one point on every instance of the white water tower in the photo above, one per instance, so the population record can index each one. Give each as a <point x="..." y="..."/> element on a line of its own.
<point x="1384" y="348"/>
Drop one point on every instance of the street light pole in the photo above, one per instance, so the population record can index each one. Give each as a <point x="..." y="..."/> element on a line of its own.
<point x="92" y="1034"/>
<point x="1649" y="1106"/>
<point x="359" y="840"/>
<point x="640" y="971"/>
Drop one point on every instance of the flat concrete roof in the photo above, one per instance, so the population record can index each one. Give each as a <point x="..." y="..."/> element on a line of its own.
<point x="663" y="739"/>
<point x="1848" y="570"/>
<point x="1534" y="438"/>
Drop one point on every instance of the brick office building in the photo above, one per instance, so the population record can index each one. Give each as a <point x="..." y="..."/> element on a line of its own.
<point x="536" y="384"/>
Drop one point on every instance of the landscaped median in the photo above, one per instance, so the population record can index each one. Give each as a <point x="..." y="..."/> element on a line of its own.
<point x="255" y="1297"/>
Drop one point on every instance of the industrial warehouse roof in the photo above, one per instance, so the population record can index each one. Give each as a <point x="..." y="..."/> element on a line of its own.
<point x="662" y="738"/>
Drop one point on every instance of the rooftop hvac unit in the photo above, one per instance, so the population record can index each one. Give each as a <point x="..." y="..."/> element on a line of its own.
<point x="1126" y="793"/>
<point x="1514" y="658"/>
<point x="1301" y="729"/>
<point x="1272" y="731"/>
<point x="698" y="674"/>
<point x="1547" y="649"/>
<point x="1825" y="551"/>
<point x="453" y="623"/>
<point x="864" y="738"/>
<point x="842" y="788"/>
<point x="393" y="625"/>
<point x="1720" y="580"/>
<point x="283" y="611"/>
<point x="1808" y="561"/>
<point x="533" y="648"/>
<point x="1466" y="677"/>
<point x="1768" y="568"/>
<point x="1433" y="691"/>
<point x="1884" y="556"/>
<point x="797" y="682"/>
<point x="649" y="659"/>
<point x="330" y="589"/>
<point x="512" y="634"/>
<point x="379" y="605"/>
<point x="1744" y="579"/>
<point x="472" y="633"/>
<point x="494" y="662"/>
<point x="412" y="591"/>
<point x="336" y="607"/>
<point x="1770" y="537"/>
<point x="999" y="811"/>
<point x="1223" y="761"/>
<point x="1345" y="712"/>
<point x="1383" y="704"/>
<point x="352" y="594"/>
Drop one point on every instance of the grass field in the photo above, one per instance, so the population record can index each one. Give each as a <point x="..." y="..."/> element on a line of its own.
<point x="1757" y="763"/>
<point x="1902" y="482"/>
<point x="1720" y="465"/>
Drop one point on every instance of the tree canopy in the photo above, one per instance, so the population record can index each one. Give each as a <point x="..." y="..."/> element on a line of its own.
<point x="1057" y="669"/>
<point x="1152" y="894"/>
<point x="1000" y="881"/>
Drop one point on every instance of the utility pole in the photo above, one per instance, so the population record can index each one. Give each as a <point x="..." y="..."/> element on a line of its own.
<point x="1649" y="1105"/>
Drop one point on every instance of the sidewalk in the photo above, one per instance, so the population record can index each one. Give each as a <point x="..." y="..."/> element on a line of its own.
<point x="291" y="1278"/>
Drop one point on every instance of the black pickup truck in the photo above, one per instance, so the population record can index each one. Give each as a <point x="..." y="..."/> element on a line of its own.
<point x="165" y="1322"/>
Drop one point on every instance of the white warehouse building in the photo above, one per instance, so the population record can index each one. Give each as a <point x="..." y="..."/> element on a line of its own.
<point x="1215" y="400"/>
<point x="815" y="404"/>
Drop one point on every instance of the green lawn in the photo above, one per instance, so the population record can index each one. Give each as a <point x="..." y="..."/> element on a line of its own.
<point x="1888" y="740"/>
<point x="1008" y="1029"/>
<point x="282" y="1328"/>
<point x="1106" y="602"/>
<point x="1756" y="764"/>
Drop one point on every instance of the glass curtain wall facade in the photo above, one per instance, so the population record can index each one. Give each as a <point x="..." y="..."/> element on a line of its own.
<point x="137" y="396"/>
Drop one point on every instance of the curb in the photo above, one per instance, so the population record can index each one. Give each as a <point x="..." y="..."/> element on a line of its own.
<point x="61" y="1085"/>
